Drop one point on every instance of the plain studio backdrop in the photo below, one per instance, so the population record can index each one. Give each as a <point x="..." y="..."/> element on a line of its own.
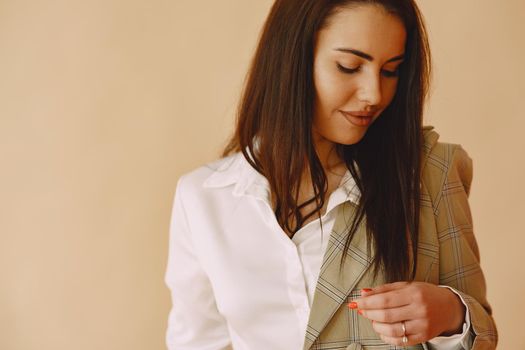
<point x="105" y="103"/>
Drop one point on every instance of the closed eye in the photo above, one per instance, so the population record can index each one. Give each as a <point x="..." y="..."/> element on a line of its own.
<point x="386" y="73"/>
<point x="347" y="70"/>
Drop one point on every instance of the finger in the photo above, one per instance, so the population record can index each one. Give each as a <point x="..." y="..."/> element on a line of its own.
<point x="383" y="288"/>
<point x="390" y="286"/>
<point x="387" y="300"/>
<point x="398" y="341"/>
<point x="367" y="291"/>
<point x="395" y="330"/>
<point x="397" y="314"/>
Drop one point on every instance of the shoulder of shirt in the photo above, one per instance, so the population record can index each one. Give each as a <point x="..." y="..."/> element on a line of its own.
<point x="218" y="173"/>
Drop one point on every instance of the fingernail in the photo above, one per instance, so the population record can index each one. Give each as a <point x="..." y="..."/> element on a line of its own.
<point x="360" y="312"/>
<point x="352" y="305"/>
<point x="366" y="290"/>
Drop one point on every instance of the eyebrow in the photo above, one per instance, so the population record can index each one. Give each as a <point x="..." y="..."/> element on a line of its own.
<point x="367" y="56"/>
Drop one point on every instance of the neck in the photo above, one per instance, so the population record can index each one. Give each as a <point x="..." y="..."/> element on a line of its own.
<point x="326" y="151"/>
<point x="333" y="166"/>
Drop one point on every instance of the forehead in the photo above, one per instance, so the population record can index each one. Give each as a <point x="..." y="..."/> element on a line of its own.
<point x="368" y="28"/>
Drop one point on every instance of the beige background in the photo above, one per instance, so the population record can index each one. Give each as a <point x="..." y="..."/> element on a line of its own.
<point x="104" y="103"/>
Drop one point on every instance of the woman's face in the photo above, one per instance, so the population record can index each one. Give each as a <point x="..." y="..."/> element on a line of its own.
<point x="355" y="61"/>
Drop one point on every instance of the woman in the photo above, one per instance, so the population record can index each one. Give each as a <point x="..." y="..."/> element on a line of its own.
<point x="334" y="219"/>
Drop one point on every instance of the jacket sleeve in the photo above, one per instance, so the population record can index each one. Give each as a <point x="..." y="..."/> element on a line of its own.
<point x="459" y="260"/>
<point x="194" y="321"/>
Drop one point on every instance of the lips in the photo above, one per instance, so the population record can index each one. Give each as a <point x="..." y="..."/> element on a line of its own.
<point x="360" y="113"/>
<point x="360" y="119"/>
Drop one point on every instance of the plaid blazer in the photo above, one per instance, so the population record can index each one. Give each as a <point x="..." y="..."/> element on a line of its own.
<point x="447" y="255"/>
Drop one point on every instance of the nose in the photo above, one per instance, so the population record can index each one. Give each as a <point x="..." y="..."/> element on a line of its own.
<point x="370" y="89"/>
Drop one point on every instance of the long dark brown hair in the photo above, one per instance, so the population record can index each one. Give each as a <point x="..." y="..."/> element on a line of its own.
<point x="274" y="130"/>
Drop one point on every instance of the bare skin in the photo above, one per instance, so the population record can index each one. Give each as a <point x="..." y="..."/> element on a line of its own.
<point x="334" y="174"/>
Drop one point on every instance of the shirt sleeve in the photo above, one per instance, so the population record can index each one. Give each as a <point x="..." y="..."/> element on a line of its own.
<point x="194" y="321"/>
<point x="456" y="341"/>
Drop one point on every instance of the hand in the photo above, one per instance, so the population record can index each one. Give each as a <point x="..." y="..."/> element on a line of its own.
<point x="426" y="310"/>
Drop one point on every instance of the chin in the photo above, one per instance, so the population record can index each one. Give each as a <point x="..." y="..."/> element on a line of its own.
<point x="353" y="138"/>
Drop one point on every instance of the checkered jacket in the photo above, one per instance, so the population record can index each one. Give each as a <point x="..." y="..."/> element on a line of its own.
<point x="447" y="255"/>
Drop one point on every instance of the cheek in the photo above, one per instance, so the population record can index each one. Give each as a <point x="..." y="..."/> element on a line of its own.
<point x="389" y="92"/>
<point x="331" y="91"/>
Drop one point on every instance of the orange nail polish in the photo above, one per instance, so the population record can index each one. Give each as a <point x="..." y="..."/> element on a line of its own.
<point x="366" y="290"/>
<point x="352" y="305"/>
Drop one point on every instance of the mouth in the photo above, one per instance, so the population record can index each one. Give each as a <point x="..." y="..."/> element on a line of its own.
<point x="360" y="119"/>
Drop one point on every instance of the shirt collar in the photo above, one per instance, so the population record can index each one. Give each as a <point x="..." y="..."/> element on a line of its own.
<point x="235" y="170"/>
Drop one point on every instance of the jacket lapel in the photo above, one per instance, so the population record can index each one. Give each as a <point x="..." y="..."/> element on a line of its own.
<point x="332" y="287"/>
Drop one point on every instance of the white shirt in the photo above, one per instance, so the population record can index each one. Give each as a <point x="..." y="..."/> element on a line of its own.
<point x="237" y="280"/>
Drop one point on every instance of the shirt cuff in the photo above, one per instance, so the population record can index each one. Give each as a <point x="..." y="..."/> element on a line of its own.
<point x="455" y="341"/>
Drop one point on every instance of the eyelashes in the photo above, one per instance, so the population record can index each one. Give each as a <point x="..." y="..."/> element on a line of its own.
<point x="386" y="73"/>
<point x="347" y="70"/>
